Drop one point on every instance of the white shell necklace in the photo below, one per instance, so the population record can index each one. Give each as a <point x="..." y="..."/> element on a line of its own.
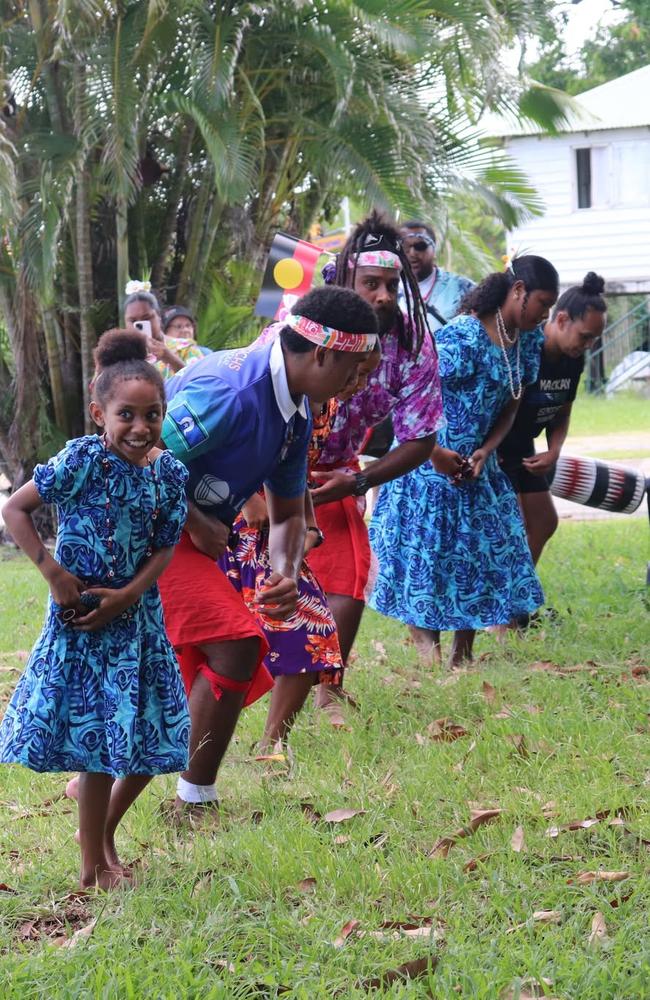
<point x="504" y="339"/>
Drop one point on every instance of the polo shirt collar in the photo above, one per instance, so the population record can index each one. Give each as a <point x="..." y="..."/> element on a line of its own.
<point x="283" y="397"/>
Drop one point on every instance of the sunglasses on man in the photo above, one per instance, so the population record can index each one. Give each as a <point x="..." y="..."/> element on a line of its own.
<point x="421" y="244"/>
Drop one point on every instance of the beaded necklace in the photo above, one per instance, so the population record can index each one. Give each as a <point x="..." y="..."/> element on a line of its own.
<point x="515" y="393"/>
<point x="110" y="527"/>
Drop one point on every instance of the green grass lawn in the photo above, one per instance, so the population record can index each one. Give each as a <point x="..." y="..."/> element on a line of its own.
<point x="596" y="415"/>
<point x="227" y="913"/>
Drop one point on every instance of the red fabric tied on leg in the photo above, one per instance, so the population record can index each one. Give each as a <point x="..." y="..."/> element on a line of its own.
<point x="193" y="662"/>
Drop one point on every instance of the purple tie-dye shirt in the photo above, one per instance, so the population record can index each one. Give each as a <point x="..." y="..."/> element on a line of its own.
<point x="407" y="388"/>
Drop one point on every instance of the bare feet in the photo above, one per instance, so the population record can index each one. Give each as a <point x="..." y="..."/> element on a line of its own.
<point x="103" y="877"/>
<point x="72" y="788"/>
<point x="111" y="856"/>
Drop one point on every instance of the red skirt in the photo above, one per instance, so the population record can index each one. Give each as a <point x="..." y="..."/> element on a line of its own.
<point x="201" y="607"/>
<point x="344" y="563"/>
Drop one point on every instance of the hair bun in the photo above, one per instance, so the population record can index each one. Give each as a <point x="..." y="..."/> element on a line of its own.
<point x="593" y="284"/>
<point x="120" y="345"/>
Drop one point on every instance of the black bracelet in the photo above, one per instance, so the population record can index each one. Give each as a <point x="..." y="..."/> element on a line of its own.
<point x="361" y="485"/>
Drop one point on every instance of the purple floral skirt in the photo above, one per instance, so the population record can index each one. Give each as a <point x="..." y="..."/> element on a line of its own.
<point x="307" y="642"/>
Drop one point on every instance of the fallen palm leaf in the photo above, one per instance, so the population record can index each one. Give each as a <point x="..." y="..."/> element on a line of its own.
<point x="598" y="930"/>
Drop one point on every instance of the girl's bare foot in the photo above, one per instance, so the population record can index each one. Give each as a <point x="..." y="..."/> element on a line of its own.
<point x="72" y="788"/>
<point x="105" y="878"/>
<point x="111" y="856"/>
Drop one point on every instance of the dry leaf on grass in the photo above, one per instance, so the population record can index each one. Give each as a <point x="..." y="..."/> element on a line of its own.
<point x="489" y="692"/>
<point x="539" y="917"/>
<point x="473" y="863"/>
<point x="307" y="884"/>
<point x="341" y="815"/>
<point x="415" y="969"/>
<point x="419" y="739"/>
<point x="517" y="841"/>
<point x="7" y="888"/>
<point x="505" y="713"/>
<point x="342" y="838"/>
<point x="585" y="878"/>
<point x="309" y="812"/>
<point x="598" y="933"/>
<point x="477" y="818"/>
<point x="584" y="824"/>
<point x="345" y="932"/>
<point x="446" y="730"/>
<point x="81" y="935"/>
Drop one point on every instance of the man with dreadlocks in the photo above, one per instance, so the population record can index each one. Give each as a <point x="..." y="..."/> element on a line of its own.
<point x="405" y="385"/>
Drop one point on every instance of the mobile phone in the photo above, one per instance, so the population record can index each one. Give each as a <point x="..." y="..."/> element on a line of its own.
<point x="144" y="326"/>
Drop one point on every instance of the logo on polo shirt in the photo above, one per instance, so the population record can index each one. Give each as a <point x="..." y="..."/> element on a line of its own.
<point x="188" y="424"/>
<point x="210" y="491"/>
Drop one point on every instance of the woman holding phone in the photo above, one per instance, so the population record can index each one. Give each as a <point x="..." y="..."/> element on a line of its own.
<point x="168" y="354"/>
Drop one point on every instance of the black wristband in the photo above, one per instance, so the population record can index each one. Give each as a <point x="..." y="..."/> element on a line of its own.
<point x="361" y="485"/>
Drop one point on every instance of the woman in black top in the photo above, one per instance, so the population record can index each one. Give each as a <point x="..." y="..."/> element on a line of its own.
<point x="577" y="322"/>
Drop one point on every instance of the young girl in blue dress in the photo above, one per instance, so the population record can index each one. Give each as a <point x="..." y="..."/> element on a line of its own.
<point x="448" y="536"/>
<point x="102" y="692"/>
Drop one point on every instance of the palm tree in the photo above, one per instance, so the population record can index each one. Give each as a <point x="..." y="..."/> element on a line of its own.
<point x="176" y="137"/>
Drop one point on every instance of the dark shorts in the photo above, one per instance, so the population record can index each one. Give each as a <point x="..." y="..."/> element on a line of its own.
<point x="521" y="479"/>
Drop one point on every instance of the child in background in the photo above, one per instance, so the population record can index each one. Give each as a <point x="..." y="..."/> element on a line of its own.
<point x="449" y="537"/>
<point x="102" y="693"/>
<point x="169" y="354"/>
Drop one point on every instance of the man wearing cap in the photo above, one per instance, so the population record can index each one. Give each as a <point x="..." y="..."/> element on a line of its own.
<point x="442" y="291"/>
<point x="405" y="386"/>
<point x="239" y="420"/>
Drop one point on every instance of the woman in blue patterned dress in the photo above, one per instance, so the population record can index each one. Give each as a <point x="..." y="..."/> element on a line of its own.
<point x="102" y="692"/>
<point x="448" y="536"/>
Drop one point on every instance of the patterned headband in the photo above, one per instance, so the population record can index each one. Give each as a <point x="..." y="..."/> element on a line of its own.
<point x="377" y="258"/>
<point x="326" y="336"/>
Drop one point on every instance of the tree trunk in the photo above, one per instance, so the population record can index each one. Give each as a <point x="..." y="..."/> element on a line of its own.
<point x="83" y="251"/>
<point x="186" y="294"/>
<point x="160" y="267"/>
<point x="122" y="241"/>
<point x="54" y="360"/>
<point x="22" y="438"/>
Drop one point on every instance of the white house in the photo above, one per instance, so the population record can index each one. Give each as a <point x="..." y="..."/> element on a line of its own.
<point x="594" y="180"/>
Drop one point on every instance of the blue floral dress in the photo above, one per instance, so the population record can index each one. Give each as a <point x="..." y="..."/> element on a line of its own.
<point x="457" y="557"/>
<point x="109" y="701"/>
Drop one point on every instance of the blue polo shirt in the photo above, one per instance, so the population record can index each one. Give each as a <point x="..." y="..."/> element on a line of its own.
<point x="232" y="421"/>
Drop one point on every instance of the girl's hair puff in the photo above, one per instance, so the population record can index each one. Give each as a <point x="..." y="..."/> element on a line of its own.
<point x="121" y="355"/>
<point x="579" y="298"/>
<point x="536" y="273"/>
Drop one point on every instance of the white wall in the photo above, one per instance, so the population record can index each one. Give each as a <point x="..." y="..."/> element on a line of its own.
<point x="613" y="236"/>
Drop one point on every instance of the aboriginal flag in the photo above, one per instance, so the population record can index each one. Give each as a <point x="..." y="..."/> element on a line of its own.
<point x="289" y="271"/>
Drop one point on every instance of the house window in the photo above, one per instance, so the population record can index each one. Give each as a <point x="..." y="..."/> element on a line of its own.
<point x="592" y="176"/>
<point x="583" y="174"/>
